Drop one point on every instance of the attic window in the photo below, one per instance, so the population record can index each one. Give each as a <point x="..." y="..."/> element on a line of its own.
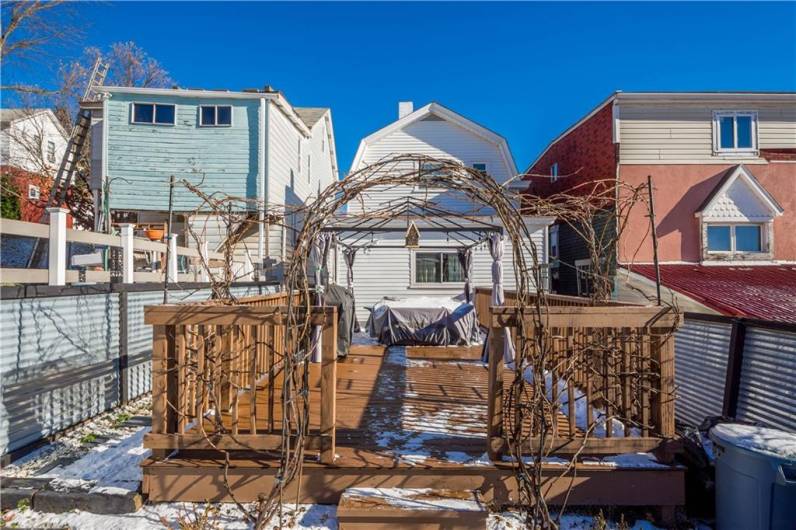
<point x="215" y="116"/>
<point x="734" y="238"/>
<point x="153" y="114"/>
<point x="735" y="132"/>
<point x="554" y="172"/>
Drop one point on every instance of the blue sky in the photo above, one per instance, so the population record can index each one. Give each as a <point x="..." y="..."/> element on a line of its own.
<point x="524" y="70"/>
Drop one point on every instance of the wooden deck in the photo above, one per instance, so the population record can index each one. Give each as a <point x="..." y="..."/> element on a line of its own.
<point x="406" y="417"/>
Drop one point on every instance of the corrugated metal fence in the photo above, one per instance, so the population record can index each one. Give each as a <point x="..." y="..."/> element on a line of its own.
<point x="739" y="368"/>
<point x="62" y="354"/>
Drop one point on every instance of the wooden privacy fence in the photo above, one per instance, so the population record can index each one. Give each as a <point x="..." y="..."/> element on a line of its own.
<point x="217" y="375"/>
<point x="609" y="378"/>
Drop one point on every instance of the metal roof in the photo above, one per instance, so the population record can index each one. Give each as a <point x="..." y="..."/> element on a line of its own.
<point x="766" y="292"/>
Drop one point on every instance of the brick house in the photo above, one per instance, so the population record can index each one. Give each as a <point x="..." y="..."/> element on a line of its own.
<point x="723" y="167"/>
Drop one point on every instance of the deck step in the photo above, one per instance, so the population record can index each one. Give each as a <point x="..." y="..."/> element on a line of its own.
<point x="410" y="508"/>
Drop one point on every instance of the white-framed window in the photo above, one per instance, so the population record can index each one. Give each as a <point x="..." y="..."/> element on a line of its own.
<point x="554" y="172"/>
<point x="553" y="235"/>
<point x="51" y="152"/>
<point x="436" y="267"/>
<point x="735" y="132"/>
<point x="585" y="276"/>
<point x="153" y="114"/>
<point x="215" y="116"/>
<point x="430" y="171"/>
<point x="34" y="193"/>
<point x="480" y="166"/>
<point x="735" y="238"/>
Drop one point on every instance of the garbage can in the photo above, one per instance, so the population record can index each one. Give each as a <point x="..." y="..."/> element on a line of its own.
<point x="755" y="477"/>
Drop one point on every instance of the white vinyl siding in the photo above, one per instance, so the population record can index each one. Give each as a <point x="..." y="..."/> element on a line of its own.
<point x="683" y="133"/>
<point x="437" y="138"/>
<point x="380" y="272"/>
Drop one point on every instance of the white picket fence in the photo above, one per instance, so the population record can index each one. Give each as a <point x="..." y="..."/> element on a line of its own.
<point x="58" y="235"/>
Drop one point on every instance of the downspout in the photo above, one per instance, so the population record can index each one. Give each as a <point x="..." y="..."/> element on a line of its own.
<point x="616" y="140"/>
<point x="263" y="177"/>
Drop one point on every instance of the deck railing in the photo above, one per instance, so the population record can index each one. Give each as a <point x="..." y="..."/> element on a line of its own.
<point x="609" y="374"/>
<point x="217" y="373"/>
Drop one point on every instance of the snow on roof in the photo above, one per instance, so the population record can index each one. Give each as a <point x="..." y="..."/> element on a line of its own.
<point x="765" y="292"/>
<point x="758" y="439"/>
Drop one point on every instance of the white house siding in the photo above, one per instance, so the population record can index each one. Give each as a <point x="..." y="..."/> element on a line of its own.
<point x="24" y="144"/>
<point x="291" y="182"/>
<point x="437" y="138"/>
<point x="683" y="133"/>
<point x="380" y="272"/>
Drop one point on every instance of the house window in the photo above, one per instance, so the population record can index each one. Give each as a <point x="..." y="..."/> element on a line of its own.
<point x="51" y="152"/>
<point x="553" y="234"/>
<point x="585" y="276"/>
<point x="34" y="194"/>
<point x="480" y="167"/>
<point x="735" y="238"/>
<point x="429" y="172"/>
<point x="438" y="267"/>
<point x="554" y="172"/>
<point x="153" y="114"/>
<point x="215" y="116"/>
<point x="735" y="132"/>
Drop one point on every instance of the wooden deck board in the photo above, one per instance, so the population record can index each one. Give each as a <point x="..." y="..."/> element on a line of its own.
<point x="404" y="419"/>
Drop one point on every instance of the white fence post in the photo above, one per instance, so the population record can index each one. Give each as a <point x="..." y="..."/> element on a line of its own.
<point x="57" y="256"/>
<point x="203" y="260"/>
<point x="171" y="270"/>
<point x="128" y="268"/>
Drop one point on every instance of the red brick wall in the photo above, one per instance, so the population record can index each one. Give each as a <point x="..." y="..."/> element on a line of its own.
<point x="586" y="154"/>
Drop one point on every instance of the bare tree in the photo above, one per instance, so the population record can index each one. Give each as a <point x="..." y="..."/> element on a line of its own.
<point x="28" y="28"/>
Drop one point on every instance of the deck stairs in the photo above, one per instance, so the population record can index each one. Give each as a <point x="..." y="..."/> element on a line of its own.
<point x="410" y="509"/>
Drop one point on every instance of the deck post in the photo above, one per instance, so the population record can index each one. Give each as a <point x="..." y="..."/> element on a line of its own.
<point x="57" y="248"/>
<point x="160" y="349"/>
<point x="495" y="440"/>
<point x="329" y="386"/>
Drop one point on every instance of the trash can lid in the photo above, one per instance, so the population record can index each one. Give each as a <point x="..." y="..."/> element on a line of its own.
<point x="772" y="442"/>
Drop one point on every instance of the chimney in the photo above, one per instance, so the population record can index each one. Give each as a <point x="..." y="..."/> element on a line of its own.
<point x="405" y="108"/>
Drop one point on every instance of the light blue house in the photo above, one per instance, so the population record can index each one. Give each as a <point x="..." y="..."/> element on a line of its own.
<point x="250" y="145"/>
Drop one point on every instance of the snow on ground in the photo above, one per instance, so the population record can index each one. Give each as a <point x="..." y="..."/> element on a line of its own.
<point x="102" y="440"/>
<point x="228" y="517"/>
<point x="760" y="439"/>
<point x="512" y="521"/>
<point x="415" y="499"/>
<point x="581" y="412"/>
<point x="174" y="516"/>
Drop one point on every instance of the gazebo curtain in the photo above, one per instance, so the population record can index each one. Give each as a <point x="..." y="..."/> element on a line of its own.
<point x="320" y="249"/>
<point x="466" y="261"/>
<point x="496" y="250"/>
<point x="348" y="256"/>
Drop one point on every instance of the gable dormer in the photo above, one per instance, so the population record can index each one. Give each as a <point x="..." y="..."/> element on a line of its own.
<point x="737" y="219"/>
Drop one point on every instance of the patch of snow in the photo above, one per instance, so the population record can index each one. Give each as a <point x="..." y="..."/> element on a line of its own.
<point x="170" y="515"/>
<point x="113" y="464"/>
<point x="513" y="521"/>
<point x="363" y="339"/>
<point x="581" y="413"/>
<point x="629" y="460"/>
<point x="772" y="442"/>
<point x="414" y="499"/>
<point x="460" y="457"/>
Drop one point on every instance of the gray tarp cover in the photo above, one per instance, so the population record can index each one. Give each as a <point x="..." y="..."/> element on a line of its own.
<point x="441" y="325"/>
<point x="343" y="300"/>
